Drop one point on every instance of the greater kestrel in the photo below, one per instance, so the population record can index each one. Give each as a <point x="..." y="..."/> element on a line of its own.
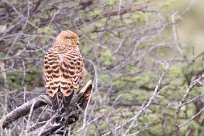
<point x="63" y="68"/>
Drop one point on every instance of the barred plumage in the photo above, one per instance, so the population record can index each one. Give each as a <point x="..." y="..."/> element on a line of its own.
<point x="63" y="68"/>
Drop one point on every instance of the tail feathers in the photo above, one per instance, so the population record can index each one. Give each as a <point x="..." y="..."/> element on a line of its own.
<point x="61" y="102"/>
<point x="67" y="100"/>
<point x="55" y="104"/>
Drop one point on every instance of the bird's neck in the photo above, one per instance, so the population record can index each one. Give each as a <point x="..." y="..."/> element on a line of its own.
<point x="65" y="48"/>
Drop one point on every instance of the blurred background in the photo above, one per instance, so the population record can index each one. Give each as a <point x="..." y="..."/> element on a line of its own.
<point x="190" y="27"/>
<point x="145" y="57"/>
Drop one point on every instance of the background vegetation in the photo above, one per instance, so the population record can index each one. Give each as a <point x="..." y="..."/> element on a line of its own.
<point x="145" y="56"/>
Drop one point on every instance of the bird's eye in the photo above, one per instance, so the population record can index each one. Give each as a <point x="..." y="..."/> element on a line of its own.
<point x="67" y="37"/>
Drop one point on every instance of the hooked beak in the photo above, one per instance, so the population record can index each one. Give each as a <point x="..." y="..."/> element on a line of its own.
<point x="78" y="43"/>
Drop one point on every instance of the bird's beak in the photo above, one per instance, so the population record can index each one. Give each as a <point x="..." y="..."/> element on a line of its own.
<point x="78" y="43"/>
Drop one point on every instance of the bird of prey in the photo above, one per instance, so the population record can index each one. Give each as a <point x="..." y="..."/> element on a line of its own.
<point x="63" y="69"/>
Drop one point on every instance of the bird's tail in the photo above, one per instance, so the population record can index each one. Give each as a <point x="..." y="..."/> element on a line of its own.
<point x="60" y="102"/>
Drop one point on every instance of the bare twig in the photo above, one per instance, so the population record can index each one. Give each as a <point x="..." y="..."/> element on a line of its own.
<point x="183" y="100"/>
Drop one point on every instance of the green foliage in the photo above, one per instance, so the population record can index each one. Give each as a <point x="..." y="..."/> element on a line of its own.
<point x="95" y="13"/>
<point x="119" y="84"/>
<point x="139" y="17"/>
<point x="45" y="30"/>
<point x="85" y="48"/>
<point x="146" y="79"/>
<point x="139" y="95"/>
<point x="30" y="77"/>
<point x="111" y="2"/>
<point x="14" y="80"/>
<point x="175" y="71"/>
<point x="169" y="3"/>
<point x="107" y="57"/>
<point x="131" y="68"/>
<point x="2" y="54"/>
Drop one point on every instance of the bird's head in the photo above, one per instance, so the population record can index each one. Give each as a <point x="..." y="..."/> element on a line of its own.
<point x="66" y="39"/>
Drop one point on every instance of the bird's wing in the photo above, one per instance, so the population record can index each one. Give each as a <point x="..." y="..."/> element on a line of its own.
<point x="72" y="68"/>
<point x="51" y="72"/>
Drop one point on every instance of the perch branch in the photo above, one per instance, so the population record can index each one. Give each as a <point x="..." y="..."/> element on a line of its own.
<point x="24" y="110"/>
<point x="79" y="101"/>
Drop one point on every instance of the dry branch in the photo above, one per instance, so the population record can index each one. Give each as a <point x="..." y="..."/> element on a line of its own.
<point x="24" y="109"/>
<point x="78" y="103"/>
